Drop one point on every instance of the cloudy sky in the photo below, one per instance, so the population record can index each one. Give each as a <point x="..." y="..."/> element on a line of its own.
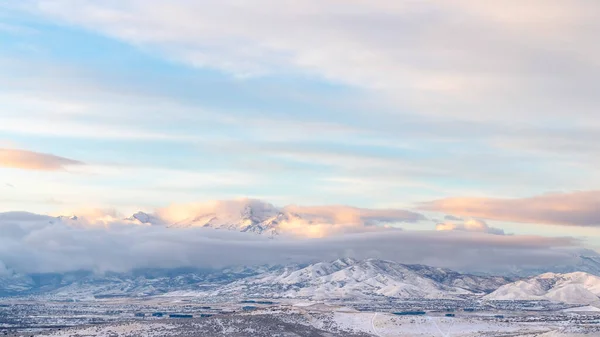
<point x="481" y="116"/>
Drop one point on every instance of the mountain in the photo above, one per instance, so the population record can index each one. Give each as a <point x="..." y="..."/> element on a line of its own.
<point x="352" y="279"/>
<point x="340" y="279"/>
<point x="140" y="282"/>
<point x="573" y="288"/>
<point x="146" y="219"/>
<point x="581" y="260"/>
<point x="250" y="216"/>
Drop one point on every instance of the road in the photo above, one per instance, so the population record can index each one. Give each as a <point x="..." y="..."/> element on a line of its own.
<point x="373" y="326"/>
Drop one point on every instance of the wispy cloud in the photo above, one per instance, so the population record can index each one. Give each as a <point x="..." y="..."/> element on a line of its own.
<point x="440" y="57"/>
<point x="573" y="209"/>
<point x="23" y="159"/>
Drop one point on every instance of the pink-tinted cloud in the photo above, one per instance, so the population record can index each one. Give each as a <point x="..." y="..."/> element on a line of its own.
<point x="302" y="221"/>
<point x="580" y="208"/>
<point x="28" y="160"/>
<point x="471" y="225"/>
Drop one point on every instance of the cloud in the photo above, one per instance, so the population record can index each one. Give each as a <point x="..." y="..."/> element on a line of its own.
<point x="446" y="58"/>
<point x="471" y="225"/>
<point x="35" y="243"/>
<point x="29" y="160"/>
<point x="354" y="215"/>
<point x="302" y="221"/>
<point x="581" y="208"/>
<point x="438" y="57"/>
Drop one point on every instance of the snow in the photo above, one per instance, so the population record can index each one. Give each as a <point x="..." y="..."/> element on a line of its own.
<point x="133" y="328"/>
<point x="573" y="288"/>
<point x="587" y="308"/>
<point x="389" y="325"/>
<point x="352" y="279"/>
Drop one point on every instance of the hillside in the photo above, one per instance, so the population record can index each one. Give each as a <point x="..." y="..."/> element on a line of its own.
<point x="573" y="288"/>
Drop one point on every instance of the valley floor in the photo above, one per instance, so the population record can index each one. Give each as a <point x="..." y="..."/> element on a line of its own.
<point x="117" y="318"/>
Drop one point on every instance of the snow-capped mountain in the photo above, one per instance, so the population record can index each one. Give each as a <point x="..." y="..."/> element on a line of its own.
<point x="340" y="279"/>
<point x="143" y="218"/>
<point x="352" y="279"/>
<point x="574" y="288"/>
<point x="245" y="216"/>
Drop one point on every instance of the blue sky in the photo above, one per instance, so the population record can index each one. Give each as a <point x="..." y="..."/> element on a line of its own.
<point x="372" y="104"/>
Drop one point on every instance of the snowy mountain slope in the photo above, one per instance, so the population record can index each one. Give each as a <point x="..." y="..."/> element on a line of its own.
<point x="142" y="282"/>
<point x="245" y="215"/>
<point x="474" y="283"/>
<point x="573" y="288"/>
<point x="352" y="279"/>
<point x="248" y="219"/>
<point x="340" y="279"/>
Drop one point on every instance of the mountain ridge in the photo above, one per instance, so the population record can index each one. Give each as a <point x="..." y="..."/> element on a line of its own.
<point x="572" y="288"/>
<point x="350" y="278"/>
<point x="341" y="279"/>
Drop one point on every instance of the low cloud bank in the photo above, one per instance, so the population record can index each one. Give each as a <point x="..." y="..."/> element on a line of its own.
<point x="32" y="243"/>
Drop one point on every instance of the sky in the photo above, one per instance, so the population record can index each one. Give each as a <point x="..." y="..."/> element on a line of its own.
<point x="481" y="116"/>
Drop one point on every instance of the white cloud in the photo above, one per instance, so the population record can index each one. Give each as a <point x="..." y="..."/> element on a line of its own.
<point x="436" y="57"/>
<point x="471" y="225"/>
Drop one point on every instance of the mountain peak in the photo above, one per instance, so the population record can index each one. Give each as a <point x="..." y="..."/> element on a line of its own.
<point x="146" y="219"/>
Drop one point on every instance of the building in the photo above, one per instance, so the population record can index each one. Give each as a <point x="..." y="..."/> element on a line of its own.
<point x="181" y="316"/>
<point x="410" y="313"/>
